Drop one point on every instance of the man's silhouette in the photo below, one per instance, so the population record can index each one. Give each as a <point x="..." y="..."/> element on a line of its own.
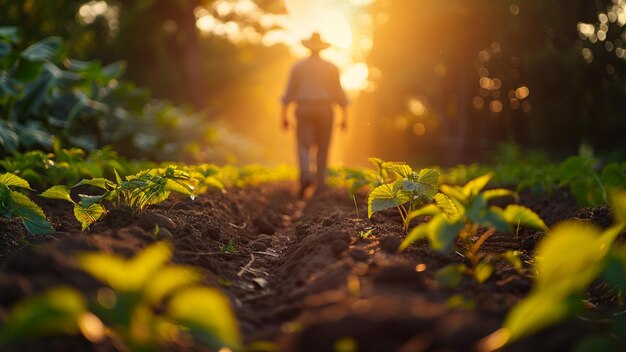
<point x="314" y="87"/>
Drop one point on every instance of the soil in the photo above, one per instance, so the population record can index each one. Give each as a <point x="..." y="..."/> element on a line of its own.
<point x="303" y="277"/>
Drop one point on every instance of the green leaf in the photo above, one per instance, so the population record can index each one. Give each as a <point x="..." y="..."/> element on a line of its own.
<point x="385" y="196"/>
<point x="519" y="215"/>
<point x="401" y="169"/>
<point x="450" y="275"/>
<point x="97" y="182"/>
<point x="417" y="233"/>
<point x="87" y="216"/>
<point x="8" y="138"/>
<point x="483" y="271"/>
<point x="537" y="311"/>
<point x="169" y="280"/>
<point x="127" y="275"/>
<point x="570" y="258"/>
<point x="454" y="192"/>
<point x="442" y="232"/>
<point x="573" y="168"/>
<point x="53" y="312"/>
<point x="615" y="271"/>
<point x="588" y="191"/>
<point x="10" y="33"/>
<point x="60" y="192"/>
<point x="446" y="204"/>
<point x="614" y="175"/>
<point x="87" y="201"/>
<point x="429" y="209"/>
<point x="207" y="314"/>
<point x="179" y="187"/>
<point x="426" y="183"/>
<point x="499" y="193"/>
<point x="31" y="214"/>
<point x="11" y="180"/>
<point x="429" y="177"/>
<point x="513" y="258"/>
<point x="476" y="185"/>
<point x="43" y="50"/>
<point x="618" y="206"/>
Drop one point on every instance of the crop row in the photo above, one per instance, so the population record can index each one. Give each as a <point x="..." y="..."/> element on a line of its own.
<point x="571" y="256"/>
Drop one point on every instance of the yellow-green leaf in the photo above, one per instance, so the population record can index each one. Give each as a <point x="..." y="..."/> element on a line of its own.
<point x="417" y="233"/>
<point x="454" y="192"/>
<point x="499" y="193"/>
<point x="520" y="215"/>
<point x="483" y="271"/>
<point x="60" y="192"/>
<point x="11" y="180"/>
<point x="446" y="204"/>
<point x="569" y="258"/>
<point x="87" y="216"/>
<point x="207" y="314"/>
<point x="53" y="312"/>
<point x="476" y="185"/>
<point x="126" y="275"/>
<point x="618" y="204"/>
<point x="385" y="196"/>
<point x="169" y="280"/>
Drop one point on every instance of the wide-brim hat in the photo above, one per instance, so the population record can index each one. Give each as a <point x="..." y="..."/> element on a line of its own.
<point x="315" y="43"/>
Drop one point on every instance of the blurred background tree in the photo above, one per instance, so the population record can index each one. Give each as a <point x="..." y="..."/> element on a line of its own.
<point x="447" y="79"/>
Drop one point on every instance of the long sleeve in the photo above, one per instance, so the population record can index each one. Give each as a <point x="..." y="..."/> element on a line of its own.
<point x="292" y="87"/>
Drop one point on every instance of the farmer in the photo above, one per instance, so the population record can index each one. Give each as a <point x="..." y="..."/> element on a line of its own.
<point x="315" y="87"/>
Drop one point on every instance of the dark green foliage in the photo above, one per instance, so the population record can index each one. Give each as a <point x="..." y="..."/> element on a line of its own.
<point x="16" y="204"/>
<point x="43" y="94"/>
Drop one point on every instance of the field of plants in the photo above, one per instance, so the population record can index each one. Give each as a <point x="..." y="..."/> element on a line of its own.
<point x="138" y="210"/>
<point x="101" y="253"/>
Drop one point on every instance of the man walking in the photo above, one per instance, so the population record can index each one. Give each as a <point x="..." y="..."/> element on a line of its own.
<point x="314" y="87"/>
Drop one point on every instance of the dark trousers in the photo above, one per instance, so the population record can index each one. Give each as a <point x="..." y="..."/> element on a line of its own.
<point x="314" y="128"/>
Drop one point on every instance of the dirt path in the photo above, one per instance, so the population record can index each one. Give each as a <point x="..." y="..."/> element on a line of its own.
<point x="298" y="273"/>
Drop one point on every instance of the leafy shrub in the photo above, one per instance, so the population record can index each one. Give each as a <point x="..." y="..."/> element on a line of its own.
<point x="44" y="94"/>
<point x="16" y="204"/>
<point x="466" y="215"/>
<point x="406" y="191"/>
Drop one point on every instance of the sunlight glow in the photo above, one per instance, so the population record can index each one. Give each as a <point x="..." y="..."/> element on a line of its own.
<point x="340" y="23"/>
<point x="89" y="12"/>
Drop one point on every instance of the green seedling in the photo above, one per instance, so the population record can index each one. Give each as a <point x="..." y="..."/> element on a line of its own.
<point x="147" y="187"/>
<point x="139" y="285"/>
<point x="465" y="214"/>
<point x="229" y="248"/>
<point x="568" y="261"/>
<point x="407" y="191"/>
<point x="16" y="204"/>
<point x="366" y="234"/>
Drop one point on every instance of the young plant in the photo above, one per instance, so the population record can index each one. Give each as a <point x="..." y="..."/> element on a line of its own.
<point x="16" y="204"/>
<point x="467" y="216"/>
<point x="147" y="187"/>
<point x="146" y="305"/>
<point x="407" y="191"/>
<point x="568" y="260"/>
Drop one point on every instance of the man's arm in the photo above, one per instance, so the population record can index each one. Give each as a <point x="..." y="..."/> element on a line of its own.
<point x="284" y="116"/>
<point x="289" y="97"/>
<point x="344" y="117"/>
